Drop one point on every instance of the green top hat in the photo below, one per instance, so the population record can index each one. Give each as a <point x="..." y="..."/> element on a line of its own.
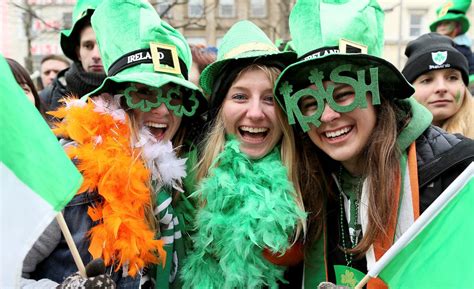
<point x="137" y="46"/>
<point x="243" y="41"/>
<point x="327" y="34"/>
<point x="453" y="10"/>
<point x="69" y="38"/>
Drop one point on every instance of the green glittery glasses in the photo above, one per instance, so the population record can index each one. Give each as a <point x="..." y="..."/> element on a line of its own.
<point x="307" y="104"/>
<point x="146" y="98"/>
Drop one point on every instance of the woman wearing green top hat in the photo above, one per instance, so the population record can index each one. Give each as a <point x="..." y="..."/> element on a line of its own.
<point x="381" y="156"/>
<point x="251" y="206"/>
<point x="128" y="139"/>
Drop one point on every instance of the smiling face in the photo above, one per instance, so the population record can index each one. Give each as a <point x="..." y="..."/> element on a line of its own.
<point x="161" y="121"/>
<point x="442" y="92"/>
<point x="343" y="136"/>
<point x="249" y="113"/>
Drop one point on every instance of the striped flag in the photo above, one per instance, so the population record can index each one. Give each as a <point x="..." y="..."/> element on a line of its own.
<point x="37" y="178"/>
<point x="437" y="251"/>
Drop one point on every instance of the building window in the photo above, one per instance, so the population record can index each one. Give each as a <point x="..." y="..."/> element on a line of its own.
<point x="258" y="8"/>
<point x="164" y="8"/>
<point x="67" y="20"/>
<point x="416" y="24"/>
<point x="227" y="8"/>
<point x="195" y="8"/>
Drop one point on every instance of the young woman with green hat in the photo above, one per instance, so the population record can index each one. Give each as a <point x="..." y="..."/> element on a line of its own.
<point x="384" y="161"/>
<point x="251" y="206"/>
<point x="128" y="138"/>
<point x="439" y="73"/>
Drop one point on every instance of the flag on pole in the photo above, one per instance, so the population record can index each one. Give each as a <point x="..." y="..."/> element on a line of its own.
<point x="37" y="177"/>
<point x="437" y="251"/>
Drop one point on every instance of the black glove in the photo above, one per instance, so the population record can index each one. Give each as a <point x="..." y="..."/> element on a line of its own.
<point x="97" y="279"/>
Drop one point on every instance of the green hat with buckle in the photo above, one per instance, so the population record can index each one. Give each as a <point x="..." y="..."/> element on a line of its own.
<point x="340" y="41"/>
<point x="244" y="42"/>
<point x="137" y="46"/>
<point x="69" y="38"/>
<point x="453" y="10"/>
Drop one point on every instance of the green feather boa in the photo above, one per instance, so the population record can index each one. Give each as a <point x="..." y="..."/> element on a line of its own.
<point x="249" y="205"/>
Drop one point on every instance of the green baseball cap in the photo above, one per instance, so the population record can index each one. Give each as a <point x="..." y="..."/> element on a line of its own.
<point x="329" y="33"/>
<point x="453" y="10"/>
<point x="137" y="46"/>
<point x="243" y="42"/>
<point x="69" y="38"/>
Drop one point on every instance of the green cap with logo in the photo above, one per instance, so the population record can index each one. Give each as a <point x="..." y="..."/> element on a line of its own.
<point x="453" y="10"/>
<point x="244" y="41"/>
<point x="341" y="41"/>
<point x="137" y="46"/>
<point x="69" y="38"/>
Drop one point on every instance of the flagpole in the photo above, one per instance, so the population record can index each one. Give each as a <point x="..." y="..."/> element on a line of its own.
<point x="71" y="244"/>
<point x="362" y="282"/>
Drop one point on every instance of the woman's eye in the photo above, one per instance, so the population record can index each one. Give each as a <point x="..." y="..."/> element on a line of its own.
<point x="238" y="96"/>
<point x="425" y="80"/>
<point x="268" y="98"/>
<point x="309" y="105"/>
<point x="453" y="77"/>
<point x="344" y="95"/>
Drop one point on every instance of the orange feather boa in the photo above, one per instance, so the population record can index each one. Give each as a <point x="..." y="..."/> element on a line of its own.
<point x="112" y="167"/>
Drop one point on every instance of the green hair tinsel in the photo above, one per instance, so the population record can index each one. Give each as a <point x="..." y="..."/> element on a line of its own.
<point x="249" y="205"/>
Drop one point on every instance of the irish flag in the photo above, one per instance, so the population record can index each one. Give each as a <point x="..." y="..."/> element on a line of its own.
<point x="37" y="178"/>
<point x="437" y="251"/>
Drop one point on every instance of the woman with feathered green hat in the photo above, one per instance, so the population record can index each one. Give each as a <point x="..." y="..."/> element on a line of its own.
<point x="251" y="209"/>
<point x="130" y="138"/>
<point x="381" y="156"/>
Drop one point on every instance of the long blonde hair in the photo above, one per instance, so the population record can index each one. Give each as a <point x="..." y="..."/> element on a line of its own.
<point x="214" y="142"/>
<point x="463" y="120"/>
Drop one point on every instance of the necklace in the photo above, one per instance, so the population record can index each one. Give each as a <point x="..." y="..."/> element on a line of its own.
<point x="354" y="214"/>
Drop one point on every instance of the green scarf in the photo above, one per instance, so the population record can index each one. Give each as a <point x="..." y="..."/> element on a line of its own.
<point x="249" y="206"/>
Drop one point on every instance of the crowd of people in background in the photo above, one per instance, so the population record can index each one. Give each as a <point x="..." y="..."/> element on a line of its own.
<point x="253" y="164"/>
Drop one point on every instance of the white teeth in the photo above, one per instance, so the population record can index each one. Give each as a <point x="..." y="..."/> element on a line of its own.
<point x="337" y="132"/>
<point x="156" y="125"/>
<point x="253" y="129"/>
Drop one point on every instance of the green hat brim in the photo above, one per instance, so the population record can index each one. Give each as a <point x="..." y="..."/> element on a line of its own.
<point x="461" y="18"/>
<point x="391" y="79"/>
<point x="143" y="73"/>
<point x="69" y="38"/>
<point x="210" y="73"/>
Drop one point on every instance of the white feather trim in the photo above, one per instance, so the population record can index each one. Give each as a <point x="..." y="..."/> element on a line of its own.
<point x="161" y="159"/>
<point x="108" y="104"/>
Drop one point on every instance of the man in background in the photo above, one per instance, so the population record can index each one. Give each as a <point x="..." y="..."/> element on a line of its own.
<point x="50" y="66"/>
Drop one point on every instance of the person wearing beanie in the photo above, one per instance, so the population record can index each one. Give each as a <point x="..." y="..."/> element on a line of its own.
<point x="382" y="160"/>
<point x="132" y="140"/>
<point x="79" y="44"/>
<point x="439" y="73"/>
<point x="451" y="21"/>
<point x="252" y="220"/>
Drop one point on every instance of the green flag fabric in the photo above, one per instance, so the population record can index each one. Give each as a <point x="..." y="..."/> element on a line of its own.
<point x="37" y="177"/>
<point x="441" y="255"/>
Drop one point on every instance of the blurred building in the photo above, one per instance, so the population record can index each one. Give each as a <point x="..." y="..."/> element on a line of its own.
<point x="201" y="22"/>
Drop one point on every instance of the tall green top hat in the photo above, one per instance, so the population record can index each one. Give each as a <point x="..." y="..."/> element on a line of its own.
<point x="453" y="10"/>
<point x="338" y="40"/>
<point x="70" y="38"/>
<point x="243" y="42"/>
<point x="137" y="46"/>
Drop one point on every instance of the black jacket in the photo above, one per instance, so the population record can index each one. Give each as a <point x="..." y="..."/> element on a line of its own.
<point x="441" y="158"/>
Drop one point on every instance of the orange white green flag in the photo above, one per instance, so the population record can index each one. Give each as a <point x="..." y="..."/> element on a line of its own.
<point x="437" y="251"/>
<point x="37" y="177"/>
